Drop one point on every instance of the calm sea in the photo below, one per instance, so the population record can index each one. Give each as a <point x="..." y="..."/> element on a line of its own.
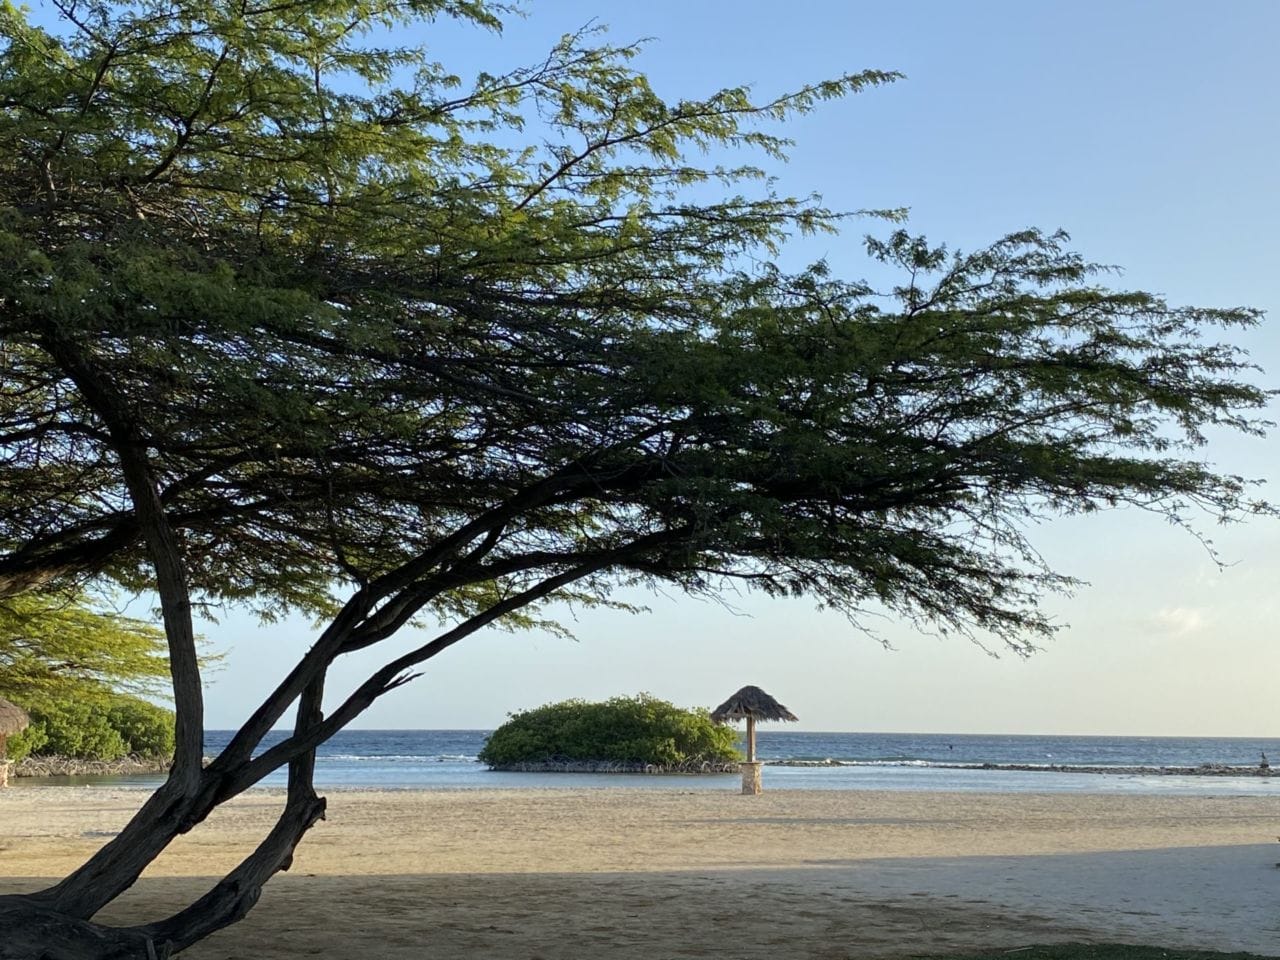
<point x="445" y="759"/>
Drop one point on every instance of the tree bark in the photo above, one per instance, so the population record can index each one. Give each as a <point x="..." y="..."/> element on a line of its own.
<point x="29" y="931"/>
<point x="163" y="551"/>
<point x="236" y="893"/>
<point x="118" y="864"/>
<point x="32" y="930"/>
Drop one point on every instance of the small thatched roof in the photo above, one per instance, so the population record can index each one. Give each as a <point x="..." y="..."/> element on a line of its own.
<point x="13" y="719"/>
<point x="751" y="702"/>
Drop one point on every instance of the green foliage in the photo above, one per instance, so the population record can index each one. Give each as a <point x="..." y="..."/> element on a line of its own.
<point x="269" y="201"/>
<point x="70" y="729"/>
<point x="366" y="327"/>
<point x="145" y="728"/>
<point x="27" y="742"/>
<point x="640" y="729"/>
<point x="58" y="646"/>
<point x="77" y="671"/>
<point x="293" y="315"/>
<point x="107" y="727"/>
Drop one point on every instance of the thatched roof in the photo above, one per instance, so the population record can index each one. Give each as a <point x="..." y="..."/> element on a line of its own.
<point x="751" y="702"/>
<point x="12" y="718"/>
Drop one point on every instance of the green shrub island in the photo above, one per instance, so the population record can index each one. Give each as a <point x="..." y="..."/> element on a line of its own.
<point x="639" y="732"/>
<point x="105" y="728"/>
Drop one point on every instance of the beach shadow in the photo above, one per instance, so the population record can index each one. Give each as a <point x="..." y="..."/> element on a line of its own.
<point x="1221" y="897"/>
<point x="549" y="916"/>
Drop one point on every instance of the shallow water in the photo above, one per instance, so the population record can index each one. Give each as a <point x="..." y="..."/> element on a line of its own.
<point x="445" y="759"/>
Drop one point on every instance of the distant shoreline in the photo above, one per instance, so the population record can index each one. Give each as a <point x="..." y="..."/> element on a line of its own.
<point x="610" y="766"/>
<point x="1203" y="770"/>
<point x="54" y="767"/>
<point x="76" y="767"/>
<point x="696" y="767"/>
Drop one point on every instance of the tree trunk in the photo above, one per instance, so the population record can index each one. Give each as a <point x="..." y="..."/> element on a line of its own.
<point x="29" y="931"/>
<point x="54" y="924"/>
<point x="235" y="895"/>
<point x="117" y="865"/>
<point x="50" y="925"/>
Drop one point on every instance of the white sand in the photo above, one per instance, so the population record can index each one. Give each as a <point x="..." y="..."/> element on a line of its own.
<point x="672" y="874"/>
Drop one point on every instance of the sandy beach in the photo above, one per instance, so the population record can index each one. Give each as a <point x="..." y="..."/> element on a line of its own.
<point x="630" y="874"/>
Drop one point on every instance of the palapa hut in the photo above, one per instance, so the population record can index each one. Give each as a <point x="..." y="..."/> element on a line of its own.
<point x="12" y="720"/>
<point x="753" y="704"/>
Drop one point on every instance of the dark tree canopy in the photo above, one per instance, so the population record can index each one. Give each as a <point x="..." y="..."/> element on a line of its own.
<point x="296" y="318"/>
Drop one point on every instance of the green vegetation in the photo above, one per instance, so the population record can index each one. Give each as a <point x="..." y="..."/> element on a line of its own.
<point x="641" y="729"/>
<point x="108" y="727"/>
<point x="58" y="645"/>
<point x="1094" y="951"/>
<point x="79" y="672"/>
<point x="296" y="315"/>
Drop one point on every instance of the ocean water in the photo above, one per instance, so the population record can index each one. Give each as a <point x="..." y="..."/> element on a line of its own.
<point x="446" y="759"/>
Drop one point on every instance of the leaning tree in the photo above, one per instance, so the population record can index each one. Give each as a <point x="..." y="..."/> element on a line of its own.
<point x="294" y="317"/>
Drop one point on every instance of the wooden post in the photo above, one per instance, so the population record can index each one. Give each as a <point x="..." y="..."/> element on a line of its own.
<point x="751" y="778"/>
<point x="751" y="739"/>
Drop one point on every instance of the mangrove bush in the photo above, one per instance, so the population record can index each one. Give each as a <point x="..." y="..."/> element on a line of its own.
<point x="109" y="728"/>
<point x="640" y="729"/>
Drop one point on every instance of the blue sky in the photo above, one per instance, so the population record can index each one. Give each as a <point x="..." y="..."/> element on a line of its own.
<point x="1147" y="130"/>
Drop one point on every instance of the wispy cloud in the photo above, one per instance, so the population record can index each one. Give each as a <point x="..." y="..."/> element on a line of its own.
<point x="1177" y="621"/>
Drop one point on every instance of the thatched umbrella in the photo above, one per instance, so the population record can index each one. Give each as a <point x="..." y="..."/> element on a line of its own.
<point x="754" y="704"/>
<point x="12" y="720"/>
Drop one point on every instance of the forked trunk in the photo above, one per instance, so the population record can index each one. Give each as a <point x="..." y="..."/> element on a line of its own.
<point x="29" y="931"/>
<point x="52" y="925"/>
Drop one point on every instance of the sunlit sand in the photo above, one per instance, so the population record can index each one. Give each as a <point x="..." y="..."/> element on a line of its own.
<point x="657" y="873"/>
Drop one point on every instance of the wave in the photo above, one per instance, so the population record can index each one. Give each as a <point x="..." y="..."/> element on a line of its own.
<point x="1202" y="770"/>
<point x="881" y="762"/>
<point x="396" y="758"/>
<point x="835" y="762"/>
